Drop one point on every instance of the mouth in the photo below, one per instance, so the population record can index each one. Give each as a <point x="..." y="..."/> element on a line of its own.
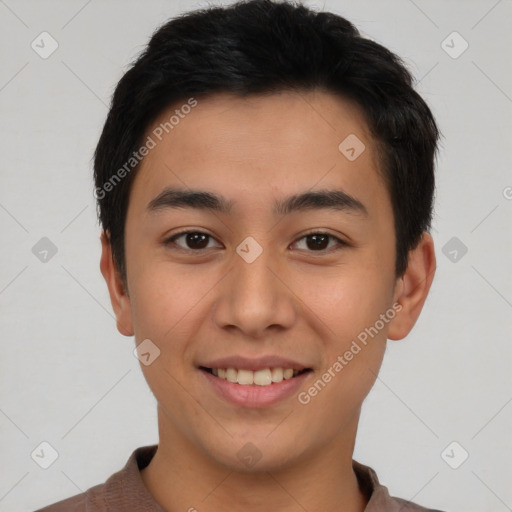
<point x="262" y="377"/>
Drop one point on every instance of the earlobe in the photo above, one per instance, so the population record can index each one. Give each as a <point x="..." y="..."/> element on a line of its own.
<point x="412" y="288"/>
<point x="118" y="296"/>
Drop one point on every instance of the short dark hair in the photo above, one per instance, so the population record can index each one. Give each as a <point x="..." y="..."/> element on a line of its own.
<point x="261" y="47"/>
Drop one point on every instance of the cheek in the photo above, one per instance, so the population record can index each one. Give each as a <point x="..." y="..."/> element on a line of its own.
<point x="165" y="308"/>
<point x="354" y="341"/>
<point x="353" y="351"/>
<point x="169" y="306"/>
<point x="162" y="299"/>
<point x="347" y="299"/>
<point x="334" y="399"/>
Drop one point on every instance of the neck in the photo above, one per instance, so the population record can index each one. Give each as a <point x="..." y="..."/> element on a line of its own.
<point x="180" y="477"/>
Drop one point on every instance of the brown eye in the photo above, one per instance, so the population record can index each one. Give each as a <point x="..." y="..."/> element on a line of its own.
<point x="193" y="240"/>
<point x="319" y="242"/>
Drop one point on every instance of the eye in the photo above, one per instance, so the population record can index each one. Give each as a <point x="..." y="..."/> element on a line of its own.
<point x="193" y="240"/>
<point x="196" y="241"/>
<point x="319" y="241"/>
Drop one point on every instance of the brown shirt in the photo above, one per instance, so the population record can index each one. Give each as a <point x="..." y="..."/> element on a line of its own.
<point x="125" y="491"/>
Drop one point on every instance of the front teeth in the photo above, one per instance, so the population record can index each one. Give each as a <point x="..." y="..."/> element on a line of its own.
<point x="260" y="377"/>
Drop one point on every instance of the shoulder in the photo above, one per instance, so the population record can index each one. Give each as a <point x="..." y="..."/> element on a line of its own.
<point x="123" y="490"/>
<point x="379" y="499"/>
<point x="92" y="500"/>
<point x="409" y="506"/>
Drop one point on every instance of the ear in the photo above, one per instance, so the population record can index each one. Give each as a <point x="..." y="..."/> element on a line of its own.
<point x="412" y="288"/>
<point x="118" y="296"/>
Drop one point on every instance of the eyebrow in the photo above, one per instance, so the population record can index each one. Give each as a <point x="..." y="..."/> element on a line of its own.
<point x="339" y="200"/>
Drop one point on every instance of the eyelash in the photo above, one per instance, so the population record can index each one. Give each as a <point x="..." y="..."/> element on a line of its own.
<point x="340" y="243"/>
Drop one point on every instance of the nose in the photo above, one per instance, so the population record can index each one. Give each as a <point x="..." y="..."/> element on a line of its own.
<point x="255" y="297"/>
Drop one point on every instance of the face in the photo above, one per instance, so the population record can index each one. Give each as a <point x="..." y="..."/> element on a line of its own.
<point x="250" y="279"/>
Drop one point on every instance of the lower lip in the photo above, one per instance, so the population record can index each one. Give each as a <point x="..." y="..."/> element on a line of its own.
<point x="255" y="396"/>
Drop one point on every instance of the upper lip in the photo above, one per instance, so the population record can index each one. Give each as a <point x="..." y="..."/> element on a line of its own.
<point x="254" y="364"/>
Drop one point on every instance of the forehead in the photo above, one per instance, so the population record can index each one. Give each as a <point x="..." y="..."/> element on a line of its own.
<point x="250" y="149"/>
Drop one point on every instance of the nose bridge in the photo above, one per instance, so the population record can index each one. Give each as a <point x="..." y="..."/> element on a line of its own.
<point x="253" y="279"/>
<point x="253" y="297"/>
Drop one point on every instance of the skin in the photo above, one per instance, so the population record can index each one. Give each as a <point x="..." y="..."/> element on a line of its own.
<point x="292" y="301"/>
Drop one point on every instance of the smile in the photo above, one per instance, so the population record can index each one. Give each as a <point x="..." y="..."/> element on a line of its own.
<point x="257" y="388"/>
<point x="263" y="377"/>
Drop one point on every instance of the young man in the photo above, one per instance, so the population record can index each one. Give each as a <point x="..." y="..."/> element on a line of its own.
<point x="265" y="184"/>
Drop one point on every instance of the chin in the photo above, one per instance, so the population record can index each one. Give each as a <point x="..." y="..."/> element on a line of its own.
<point x="256" y="453"/>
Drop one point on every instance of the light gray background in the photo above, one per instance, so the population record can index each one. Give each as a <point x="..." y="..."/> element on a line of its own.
<point x="69" y="378"/>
